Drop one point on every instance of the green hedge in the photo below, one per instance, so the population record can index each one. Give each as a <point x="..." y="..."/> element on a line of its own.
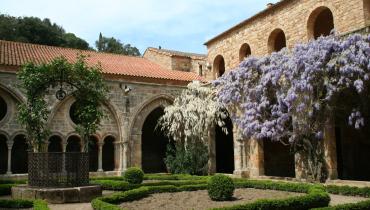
<point x="347" y="190"/>
<point x="6" y="189"/>
<point x="316" y="197"/>
<point x="363" y="205"/>
<point x="156" y="177"/>
<point x="134" y="175"/>
<point x="19" y="204"/>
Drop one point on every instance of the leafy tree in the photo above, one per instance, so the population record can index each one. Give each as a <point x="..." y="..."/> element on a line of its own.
<point x="290" y="96"/>
<point x="112" y="45"/>
<point x="37" y="31"/>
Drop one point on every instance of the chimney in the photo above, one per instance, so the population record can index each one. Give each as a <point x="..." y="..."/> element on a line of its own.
<point x="270" y="5"/>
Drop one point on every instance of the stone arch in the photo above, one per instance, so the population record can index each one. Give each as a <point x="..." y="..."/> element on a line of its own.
<point x="19" y="159"/>
<point x="218" y="66"/>
<point x="93" y="152"/>
<point x="224" y="148"/>
<point x="367" y="12"/>
<point x="3" y="153"/>
<point x="276" y="40"/>
<point x="55" y="143"/>
<point x="244" y="51"/>
<point x="320" y="22"/>
<point x="108" y="157"/>
<point x="137" y="124"/>
<point x="8" y="108"/>
<point x="74" y="144"/>
<point x="278" y="159"/>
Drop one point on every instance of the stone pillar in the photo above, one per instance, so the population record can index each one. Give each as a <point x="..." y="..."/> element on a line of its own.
<point x="254" y="157"/>
<point x="10" y="145"/>
<point x="211" y="150"/>
<point x="330" y="149"/>
<point x="124" y="155"/>
<point x="117" y="152"/>
<point x="100" y="157"/>
<point x="64" y="147"/>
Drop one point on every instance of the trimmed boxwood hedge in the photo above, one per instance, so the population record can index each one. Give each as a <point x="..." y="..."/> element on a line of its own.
<point x="316" y="197"/>
<point x="19" y="204"/>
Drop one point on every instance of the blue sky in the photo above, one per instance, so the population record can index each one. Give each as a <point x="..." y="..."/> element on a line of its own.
<point x="182" y="25"/>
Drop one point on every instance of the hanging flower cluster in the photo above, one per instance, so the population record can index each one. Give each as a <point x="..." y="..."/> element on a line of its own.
<point x="289" y="95"/>
<point x="193" y="114"/>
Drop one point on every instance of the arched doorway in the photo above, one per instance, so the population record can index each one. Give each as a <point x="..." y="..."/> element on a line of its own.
<point x="20" y="155"/>
<point x="73" y="144"/>
<point x="219" y="66"/>
<point x="320" y="23"/>
<point x="93" y="153"/>
<point x="154" y="144"/>
<point x="278" y="159"/>
<point x="3" y="154"/>
<point x="353" y="146"/>
<point x="55" y="144"/>
<point x="245" y="51"/>
<point x="108" y="154"/>
<point x="276" y="41"/>
<point x="225" y="149"/>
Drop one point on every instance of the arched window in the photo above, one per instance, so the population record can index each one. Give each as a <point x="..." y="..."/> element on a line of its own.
<point x="3" y="154"/>
<point x="276" y="41"/>
<point x="219" y="66"/>
<point x="245" y="51"/>
<point x="73" y="113"/>
<point x="55" y="144"/>
<point x="20" y="155"/>
<point x="73" y="144"/>
<point x="3" y="108"/>
<point x="108" y="154"/>
<point x="320" y="23"/>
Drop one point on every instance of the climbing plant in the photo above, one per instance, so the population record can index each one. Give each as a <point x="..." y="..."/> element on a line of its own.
<point x="85" y="83"/>
<point x="290" y="96"/>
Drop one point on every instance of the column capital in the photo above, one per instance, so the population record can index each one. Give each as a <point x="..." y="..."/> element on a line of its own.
<point x="9" y="144"/>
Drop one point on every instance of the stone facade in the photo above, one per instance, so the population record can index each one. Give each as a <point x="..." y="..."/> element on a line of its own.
<point x="175" y="60"/>
<point x="294" y="17"/>
<point x="285" y="24"/>
<point x="125" y="115"/>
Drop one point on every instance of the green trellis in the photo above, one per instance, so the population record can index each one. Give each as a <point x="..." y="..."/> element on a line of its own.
<point x="86" y="85"/>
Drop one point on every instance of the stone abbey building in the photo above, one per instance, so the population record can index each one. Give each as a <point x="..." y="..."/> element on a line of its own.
<point x="128" y="136"/>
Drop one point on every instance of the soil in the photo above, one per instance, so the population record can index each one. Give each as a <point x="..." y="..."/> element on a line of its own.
<point x="200" y="200"/>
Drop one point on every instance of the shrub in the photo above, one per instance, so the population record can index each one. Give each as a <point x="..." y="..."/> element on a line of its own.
<point x="134" y="175"/>
<point x="220" y="188"/>
<point x="192" y="160"/>
<point x="16" y="203"/>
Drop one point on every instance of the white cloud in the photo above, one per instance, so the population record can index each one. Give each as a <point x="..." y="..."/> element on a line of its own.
<point x="151" y="22"/>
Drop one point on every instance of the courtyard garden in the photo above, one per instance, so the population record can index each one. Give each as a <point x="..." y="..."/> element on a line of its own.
<point x="289" y="97"/>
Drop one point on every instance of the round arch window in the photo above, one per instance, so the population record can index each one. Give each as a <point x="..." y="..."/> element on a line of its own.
<point x="73" y="113"/>
<point x="3" y="108"/>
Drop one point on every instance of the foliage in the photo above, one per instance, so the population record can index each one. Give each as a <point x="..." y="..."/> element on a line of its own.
<point x="87" y="87"/>
<point x="6" y="189"/>
<point x="37" y="31"/>
<point x="348" y="190"/>
<point x="134" y="175"/>
<point x="316" y="196"/>
<point x="220" y="188"/>
<point x="193" y="114"/>
<point x="363" y="205"/>
<point x="16" y="203"/>
<point x="289" y="96"/>
<point x="192" y="160"/>
<point x="40" y="205"/>
<point x="112" y="45"/>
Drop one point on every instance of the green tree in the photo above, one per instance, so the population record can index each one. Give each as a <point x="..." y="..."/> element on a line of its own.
<point x="112" y="45"/>
<point x="37" y="31"/>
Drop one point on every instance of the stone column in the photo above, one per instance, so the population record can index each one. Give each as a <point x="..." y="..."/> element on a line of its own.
<point x="211" y="136"/>
<point x="117" y="152"/>
<point x="100" y="157"/>
<point x="330" y="149"/>
<point x="124" y="155"/>
<point x="10" y="145"/>
<point x="64" y="147"/>
<point x="254" y="157"/>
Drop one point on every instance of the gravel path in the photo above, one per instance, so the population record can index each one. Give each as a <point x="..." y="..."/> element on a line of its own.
<point x="200" y="200"/>
<point x="341" y="199"/>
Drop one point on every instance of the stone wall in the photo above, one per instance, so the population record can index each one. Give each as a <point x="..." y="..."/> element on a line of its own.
<point x="293" y="17"/>
<point x="125" y="113"/>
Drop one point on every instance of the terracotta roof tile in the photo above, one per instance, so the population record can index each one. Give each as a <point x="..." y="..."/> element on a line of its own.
<point x="17" y="54"/>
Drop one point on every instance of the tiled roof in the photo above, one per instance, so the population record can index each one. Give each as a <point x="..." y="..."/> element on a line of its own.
<point x="17" y="54"/>
<point x="178" y="53"/>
